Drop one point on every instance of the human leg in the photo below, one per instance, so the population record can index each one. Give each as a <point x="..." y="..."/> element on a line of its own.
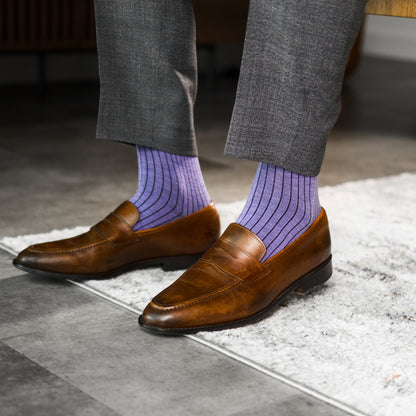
<point x="289" y="90"/>
<point x="281" y="206"/>
<point x="148" y="73"/>
<point x="148" y="86"/>
<point x="288" y="99"/>
<point x="147" y="66"/>
<point x="285" y="124"/>
<point x="170" y="187"/>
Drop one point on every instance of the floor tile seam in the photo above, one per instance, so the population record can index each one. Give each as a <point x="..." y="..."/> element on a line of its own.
<point x="6" y="249"/>
<point x="243" y="360"/>
<point x="280" y="377"/>
<point x="19" y="334"/>
<point x="58" y="376"/>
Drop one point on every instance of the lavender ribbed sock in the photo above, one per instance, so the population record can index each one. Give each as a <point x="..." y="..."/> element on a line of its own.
<point x="170" y="187"/>
<point x="281" y="206"/>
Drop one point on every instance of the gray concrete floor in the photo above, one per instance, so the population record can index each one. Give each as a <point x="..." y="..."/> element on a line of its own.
<point x="65" y="351"/>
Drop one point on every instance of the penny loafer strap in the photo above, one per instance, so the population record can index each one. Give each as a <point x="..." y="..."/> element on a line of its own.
<point x="116" y="230"/>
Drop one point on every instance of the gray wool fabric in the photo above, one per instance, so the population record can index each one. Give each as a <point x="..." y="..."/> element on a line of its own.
<point x="289" y="90"/>
<point x="148" y="73"/>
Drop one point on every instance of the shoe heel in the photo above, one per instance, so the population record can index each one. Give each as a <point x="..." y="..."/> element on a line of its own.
<point x="316" y="278"/>
<point x="179" y="262"/>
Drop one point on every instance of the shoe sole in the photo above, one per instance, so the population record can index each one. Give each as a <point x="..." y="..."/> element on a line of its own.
<point x="304" y="285"/>
<point x="167" y="264"/>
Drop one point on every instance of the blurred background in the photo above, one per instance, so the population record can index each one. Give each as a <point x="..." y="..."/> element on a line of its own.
<point x="54" y="173"/>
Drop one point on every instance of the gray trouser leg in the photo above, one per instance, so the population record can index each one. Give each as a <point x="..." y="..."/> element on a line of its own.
<point x="288" y="95"/>
<point x="148" y="73"/>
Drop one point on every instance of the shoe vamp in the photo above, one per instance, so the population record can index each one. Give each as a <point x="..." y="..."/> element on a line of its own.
<point x="202" y="280"/>
<point x="83" y="240"/>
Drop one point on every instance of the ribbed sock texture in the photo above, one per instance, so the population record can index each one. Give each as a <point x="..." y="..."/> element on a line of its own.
<point x="170" y="187"/>
<point x="281" y="206"/>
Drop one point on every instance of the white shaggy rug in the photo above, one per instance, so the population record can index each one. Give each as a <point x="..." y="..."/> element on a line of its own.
<point x="354" y="339"/>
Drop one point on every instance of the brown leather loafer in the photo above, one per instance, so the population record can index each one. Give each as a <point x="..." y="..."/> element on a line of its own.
<point x="112" y="247"/>
<point x="229" y="286"/>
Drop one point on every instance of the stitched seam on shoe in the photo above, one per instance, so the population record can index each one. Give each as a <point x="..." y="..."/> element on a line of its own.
<point x="217" y="293"/>
<point x="176" y="222"/>
<point x="241" y="249"/>
<point x="226" y="252"/>
<point x="222" y="292"/>
<point x="283" y="253"/>
<point x="213" y="294"/>
<point x="114" y="243"/>
<point x="217" y="266"/>
<point x="264" y="272"/>
<point x="97" y="230"/>
<point x="159" y="306"/>
<point x="111" y="224"/>
<point x="122" y="219"/>
<point x="69" y="250"/>
<point x="265" y="269"/>
<point x="254" y="235"/>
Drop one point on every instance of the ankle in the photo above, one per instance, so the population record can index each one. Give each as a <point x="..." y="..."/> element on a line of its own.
<point x="170" y="187"/>
<point x="281" y="206"/>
